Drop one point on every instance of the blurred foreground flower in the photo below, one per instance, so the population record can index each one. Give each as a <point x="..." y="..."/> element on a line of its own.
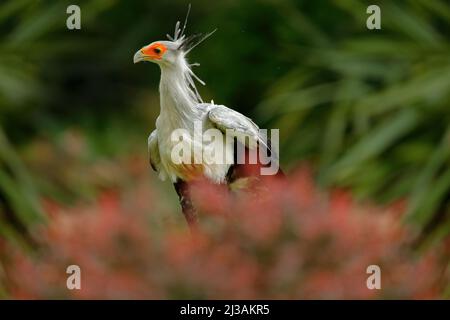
<point x="293" y="243"/>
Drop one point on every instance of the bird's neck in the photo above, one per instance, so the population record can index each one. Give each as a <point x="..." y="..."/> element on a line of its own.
<point x="178" y="99"/>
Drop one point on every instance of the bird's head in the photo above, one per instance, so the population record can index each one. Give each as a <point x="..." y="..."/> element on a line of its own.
<point x="161" y="52"/>
<point x="168" y="52"/>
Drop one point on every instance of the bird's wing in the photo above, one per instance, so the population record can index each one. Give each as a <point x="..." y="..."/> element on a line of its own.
<point x="153" y="151"/>
<point x="247" y="133"/>
<point x="232" y="122"/>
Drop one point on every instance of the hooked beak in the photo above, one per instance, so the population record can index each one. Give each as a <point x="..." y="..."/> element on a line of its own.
<point x="139" y="56"/>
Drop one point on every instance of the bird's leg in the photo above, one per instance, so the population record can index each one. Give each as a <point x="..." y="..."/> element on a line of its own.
<point x="182" y="189"/>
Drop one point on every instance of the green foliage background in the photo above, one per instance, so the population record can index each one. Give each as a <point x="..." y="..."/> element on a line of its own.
<point x="369" y="109"/>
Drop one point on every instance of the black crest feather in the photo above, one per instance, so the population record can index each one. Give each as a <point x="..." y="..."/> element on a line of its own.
<point x="190" y="42"/>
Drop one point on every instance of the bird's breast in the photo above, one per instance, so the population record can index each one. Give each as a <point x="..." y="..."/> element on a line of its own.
<point x="188" y="155"/>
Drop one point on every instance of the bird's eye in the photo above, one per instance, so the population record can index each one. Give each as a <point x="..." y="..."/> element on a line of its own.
<point x="157" y="50"/>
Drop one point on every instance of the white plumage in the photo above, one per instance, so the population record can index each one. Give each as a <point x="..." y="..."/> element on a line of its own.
<point x="181" y="107"/>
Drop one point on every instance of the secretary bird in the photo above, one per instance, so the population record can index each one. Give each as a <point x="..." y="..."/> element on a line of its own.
<point x="182" y="108"/>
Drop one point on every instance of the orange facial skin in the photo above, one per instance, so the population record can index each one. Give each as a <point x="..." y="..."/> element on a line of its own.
<point x="154" y="51"/>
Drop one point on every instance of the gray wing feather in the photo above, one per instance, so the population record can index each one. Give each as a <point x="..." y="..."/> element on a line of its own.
<point x="153" y="151"/>
<point x="232" y="122"/>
